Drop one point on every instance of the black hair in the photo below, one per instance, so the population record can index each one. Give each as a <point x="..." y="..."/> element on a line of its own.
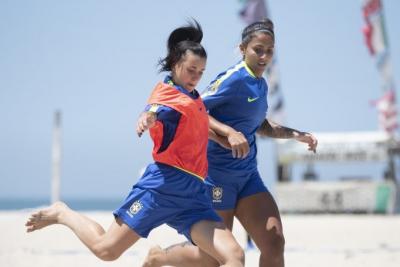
<point x="180" y="40"/>
<point x="263" y="26"/>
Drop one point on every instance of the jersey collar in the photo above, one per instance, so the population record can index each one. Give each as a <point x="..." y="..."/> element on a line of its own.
<point x="193" y="95"/>
<point x="248" y="69"/>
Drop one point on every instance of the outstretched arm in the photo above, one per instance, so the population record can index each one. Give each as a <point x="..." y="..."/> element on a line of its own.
<point x="274" y="130"/>
<point x="228" y="137"/>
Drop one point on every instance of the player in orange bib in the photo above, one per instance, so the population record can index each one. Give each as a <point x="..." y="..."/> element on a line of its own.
<point x="172" y="189"/>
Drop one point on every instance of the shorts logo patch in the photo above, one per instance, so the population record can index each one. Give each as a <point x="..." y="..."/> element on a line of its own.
<point x="217" y="194"/>
<point x="135" y="208"/>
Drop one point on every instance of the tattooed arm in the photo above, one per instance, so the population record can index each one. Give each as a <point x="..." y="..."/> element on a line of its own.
<point x="274" y="130"/>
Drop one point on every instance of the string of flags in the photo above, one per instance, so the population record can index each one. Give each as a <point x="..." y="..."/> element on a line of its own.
<point x="376" y="42"/>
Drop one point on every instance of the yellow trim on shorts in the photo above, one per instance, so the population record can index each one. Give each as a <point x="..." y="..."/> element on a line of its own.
<point x="191" y="173"/>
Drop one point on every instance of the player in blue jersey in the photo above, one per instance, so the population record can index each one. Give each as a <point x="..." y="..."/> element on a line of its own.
<point x="237" y="102"/>
<point x="172" y="189"/>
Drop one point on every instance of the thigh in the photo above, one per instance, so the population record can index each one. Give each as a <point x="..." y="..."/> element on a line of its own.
<point x="118" y="238"/>
<point x="215" y="239"/>
<point x="227" y="217"/>
<point x="185" y="220"/>
<point x="260" y="216"/>
<point x="222" y="191"/>
<point x="142" y="211"/>
<point x="252" y="184"/>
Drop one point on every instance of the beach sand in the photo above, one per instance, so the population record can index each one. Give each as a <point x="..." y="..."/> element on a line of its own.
<point x="311" y="240"/>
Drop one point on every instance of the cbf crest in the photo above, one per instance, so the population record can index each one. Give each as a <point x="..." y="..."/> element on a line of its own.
<point x="217" y="193"/>
<point x="135" y="208"/>
<point x="211" y="88"/>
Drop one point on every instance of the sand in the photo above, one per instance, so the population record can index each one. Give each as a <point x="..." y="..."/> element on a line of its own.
<point x="311" y="240"/>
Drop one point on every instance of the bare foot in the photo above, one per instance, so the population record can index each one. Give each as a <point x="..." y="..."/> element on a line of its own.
<point x="45" y="217"/>
<point x="154" y="257"/>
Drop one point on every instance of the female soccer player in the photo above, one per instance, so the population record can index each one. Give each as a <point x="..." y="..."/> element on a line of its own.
<point x="172" y="189"/>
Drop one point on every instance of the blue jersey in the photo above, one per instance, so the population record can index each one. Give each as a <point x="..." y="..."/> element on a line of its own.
<point x="239" y="99"/>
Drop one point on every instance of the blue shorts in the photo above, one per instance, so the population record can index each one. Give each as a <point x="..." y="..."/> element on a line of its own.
<point x="226" y="189"/>
<point x="165" y="194"/>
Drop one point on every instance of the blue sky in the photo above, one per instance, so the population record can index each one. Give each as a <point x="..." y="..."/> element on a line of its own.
<point x="95" y="60"/>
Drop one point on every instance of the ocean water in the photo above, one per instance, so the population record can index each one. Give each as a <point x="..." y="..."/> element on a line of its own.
<point x="74" y="203"/>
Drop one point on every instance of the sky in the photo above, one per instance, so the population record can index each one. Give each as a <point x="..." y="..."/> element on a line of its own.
<point x="96" y="62"/>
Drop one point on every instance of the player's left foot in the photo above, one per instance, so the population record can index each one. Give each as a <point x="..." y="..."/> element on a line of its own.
<point x="45" y="217"/>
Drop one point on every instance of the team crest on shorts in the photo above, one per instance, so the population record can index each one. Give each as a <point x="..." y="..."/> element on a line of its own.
<point x="135" y="208"/>
<point x="217" y="193"/>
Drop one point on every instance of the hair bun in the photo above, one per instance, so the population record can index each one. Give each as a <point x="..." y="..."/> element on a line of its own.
<point x="180" y="40"/>
<point x="192" y="32"/>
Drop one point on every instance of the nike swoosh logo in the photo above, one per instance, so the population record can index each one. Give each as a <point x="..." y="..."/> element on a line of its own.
<point x="252" y="99"/>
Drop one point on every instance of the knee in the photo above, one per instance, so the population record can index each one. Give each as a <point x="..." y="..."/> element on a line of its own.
<point x="106" y="253"/>
<point x="234" y="256"/>
<point x="241" y="255"/>
<point x="274" y="244"/>
<point x="238" y="254"/>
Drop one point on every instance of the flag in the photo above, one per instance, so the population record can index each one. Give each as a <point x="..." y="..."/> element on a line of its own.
<point x="387" y="109"/>
<point x="373" y="30"/>
<point x="252" y="11"/>
<point x="376" y="41"/>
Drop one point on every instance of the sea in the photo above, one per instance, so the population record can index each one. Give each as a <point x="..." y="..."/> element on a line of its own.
<point x="99" y="204"/>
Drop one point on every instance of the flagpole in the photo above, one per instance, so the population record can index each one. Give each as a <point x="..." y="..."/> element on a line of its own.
<point x="56" y="158"/>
